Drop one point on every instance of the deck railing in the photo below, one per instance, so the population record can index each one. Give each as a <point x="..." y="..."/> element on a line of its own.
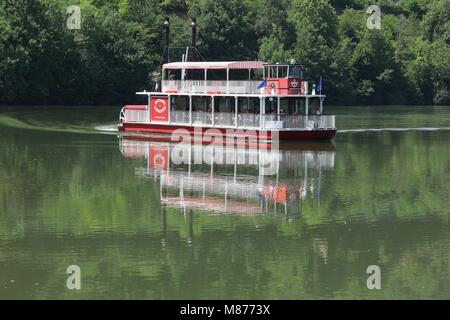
<point x="244" y="120"/>
<point x="209" y="86"/>
<point x="132" y="115"/>
<point x="308" y="122"/>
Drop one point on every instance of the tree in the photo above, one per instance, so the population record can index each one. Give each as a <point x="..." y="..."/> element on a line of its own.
<point x="11" y="56"/>
<point x="39" y="43"/>
<point x="437" y="21"/>
<point x="225" y="30"/>
<point x="121" y="43"/>
<point x="276" y="34"/>
<point x="315" y="25"/>
<point x="376" y="72"/>
<point x="115" y="56"/>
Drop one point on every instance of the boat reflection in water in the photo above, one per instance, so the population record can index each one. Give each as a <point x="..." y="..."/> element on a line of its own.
<point x="232" y="179"/>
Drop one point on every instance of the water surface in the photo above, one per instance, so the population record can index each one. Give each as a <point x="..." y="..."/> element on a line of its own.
<point x="142" y="228"/>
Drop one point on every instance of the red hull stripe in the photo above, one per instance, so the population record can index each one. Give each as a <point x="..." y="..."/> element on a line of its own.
<point x="283" y="135"/>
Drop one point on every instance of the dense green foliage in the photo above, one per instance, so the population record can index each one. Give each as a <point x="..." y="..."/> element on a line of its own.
<point x="120" y="45"/>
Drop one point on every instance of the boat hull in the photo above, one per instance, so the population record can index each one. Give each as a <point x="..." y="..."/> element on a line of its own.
<point x="285" y="135"/>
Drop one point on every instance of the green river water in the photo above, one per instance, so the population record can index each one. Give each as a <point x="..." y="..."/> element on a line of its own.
<point x="74" y="192"/>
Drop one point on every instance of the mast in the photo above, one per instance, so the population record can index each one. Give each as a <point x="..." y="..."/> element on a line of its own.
<point x="167" y="32"/>
<point x="194" y="33"/>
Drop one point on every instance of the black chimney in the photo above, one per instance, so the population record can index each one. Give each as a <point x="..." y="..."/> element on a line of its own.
<point x="167" y="31"/>
<point x="194" y="32"/>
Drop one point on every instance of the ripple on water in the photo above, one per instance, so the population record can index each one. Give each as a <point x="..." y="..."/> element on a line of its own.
<point x="107" y="128"/>
<point x="394" y="129"/>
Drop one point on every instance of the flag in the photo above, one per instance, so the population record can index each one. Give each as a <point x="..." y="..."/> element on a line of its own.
<point x="319" y="86"/>
<point x="262" y="84"/>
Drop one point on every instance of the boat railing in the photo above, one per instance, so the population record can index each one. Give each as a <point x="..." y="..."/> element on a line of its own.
<point x="251" y="120"/>
<point x="321" y="122"/>
<point x="244" y="120"/>
<point x="210" y="86"/>
<point x="180" y="117"/>
<point x="133" y="115"/>
<point x="201" y="118"/>
<point x="224" y="118"/>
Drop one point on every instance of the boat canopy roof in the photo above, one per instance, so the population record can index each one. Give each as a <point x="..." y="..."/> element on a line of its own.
<point x="215" y="65"/>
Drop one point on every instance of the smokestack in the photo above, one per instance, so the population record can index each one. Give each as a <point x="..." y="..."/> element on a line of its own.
<point x="194" y="32"/>
<point x="167" y="31"/>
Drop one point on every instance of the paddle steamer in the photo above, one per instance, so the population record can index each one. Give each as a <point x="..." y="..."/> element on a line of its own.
<point x="249" y="99"/>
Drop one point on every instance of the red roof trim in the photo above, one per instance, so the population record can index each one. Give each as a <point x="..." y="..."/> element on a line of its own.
<point x="215" y="65"/>
<point x="136" y="107"/>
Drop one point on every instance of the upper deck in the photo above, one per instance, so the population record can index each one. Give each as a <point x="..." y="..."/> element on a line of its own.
<point x="234" y="77"/>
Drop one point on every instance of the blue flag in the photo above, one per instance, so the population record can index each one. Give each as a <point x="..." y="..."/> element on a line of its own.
<point x="319" y="86"/>
<point x="262" y="84"/>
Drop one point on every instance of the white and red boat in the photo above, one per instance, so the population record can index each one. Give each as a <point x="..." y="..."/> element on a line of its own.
<point x="243" y="99"/>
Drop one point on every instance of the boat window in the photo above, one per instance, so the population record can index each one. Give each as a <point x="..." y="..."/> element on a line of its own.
<point x="224" y="104"/>
<point x="194" y="74"/>
<point x="248" y="105"/>
<point x="276" y="71"/>
<point x="257" y="74"/>
<point x="239" y="74"/>
<point x="292" y="106"/>
<point x="218" y="75"/>
<point x="271" y="105"/>
<point x="314" y="105"/>
<point x="201" y="103"/>
<point x="179" y="103"/>
<point x="283" y="72"/>
<point x="268" y="72"/>
<point x="173" y="74"/>
<point x="296" y="72"/>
